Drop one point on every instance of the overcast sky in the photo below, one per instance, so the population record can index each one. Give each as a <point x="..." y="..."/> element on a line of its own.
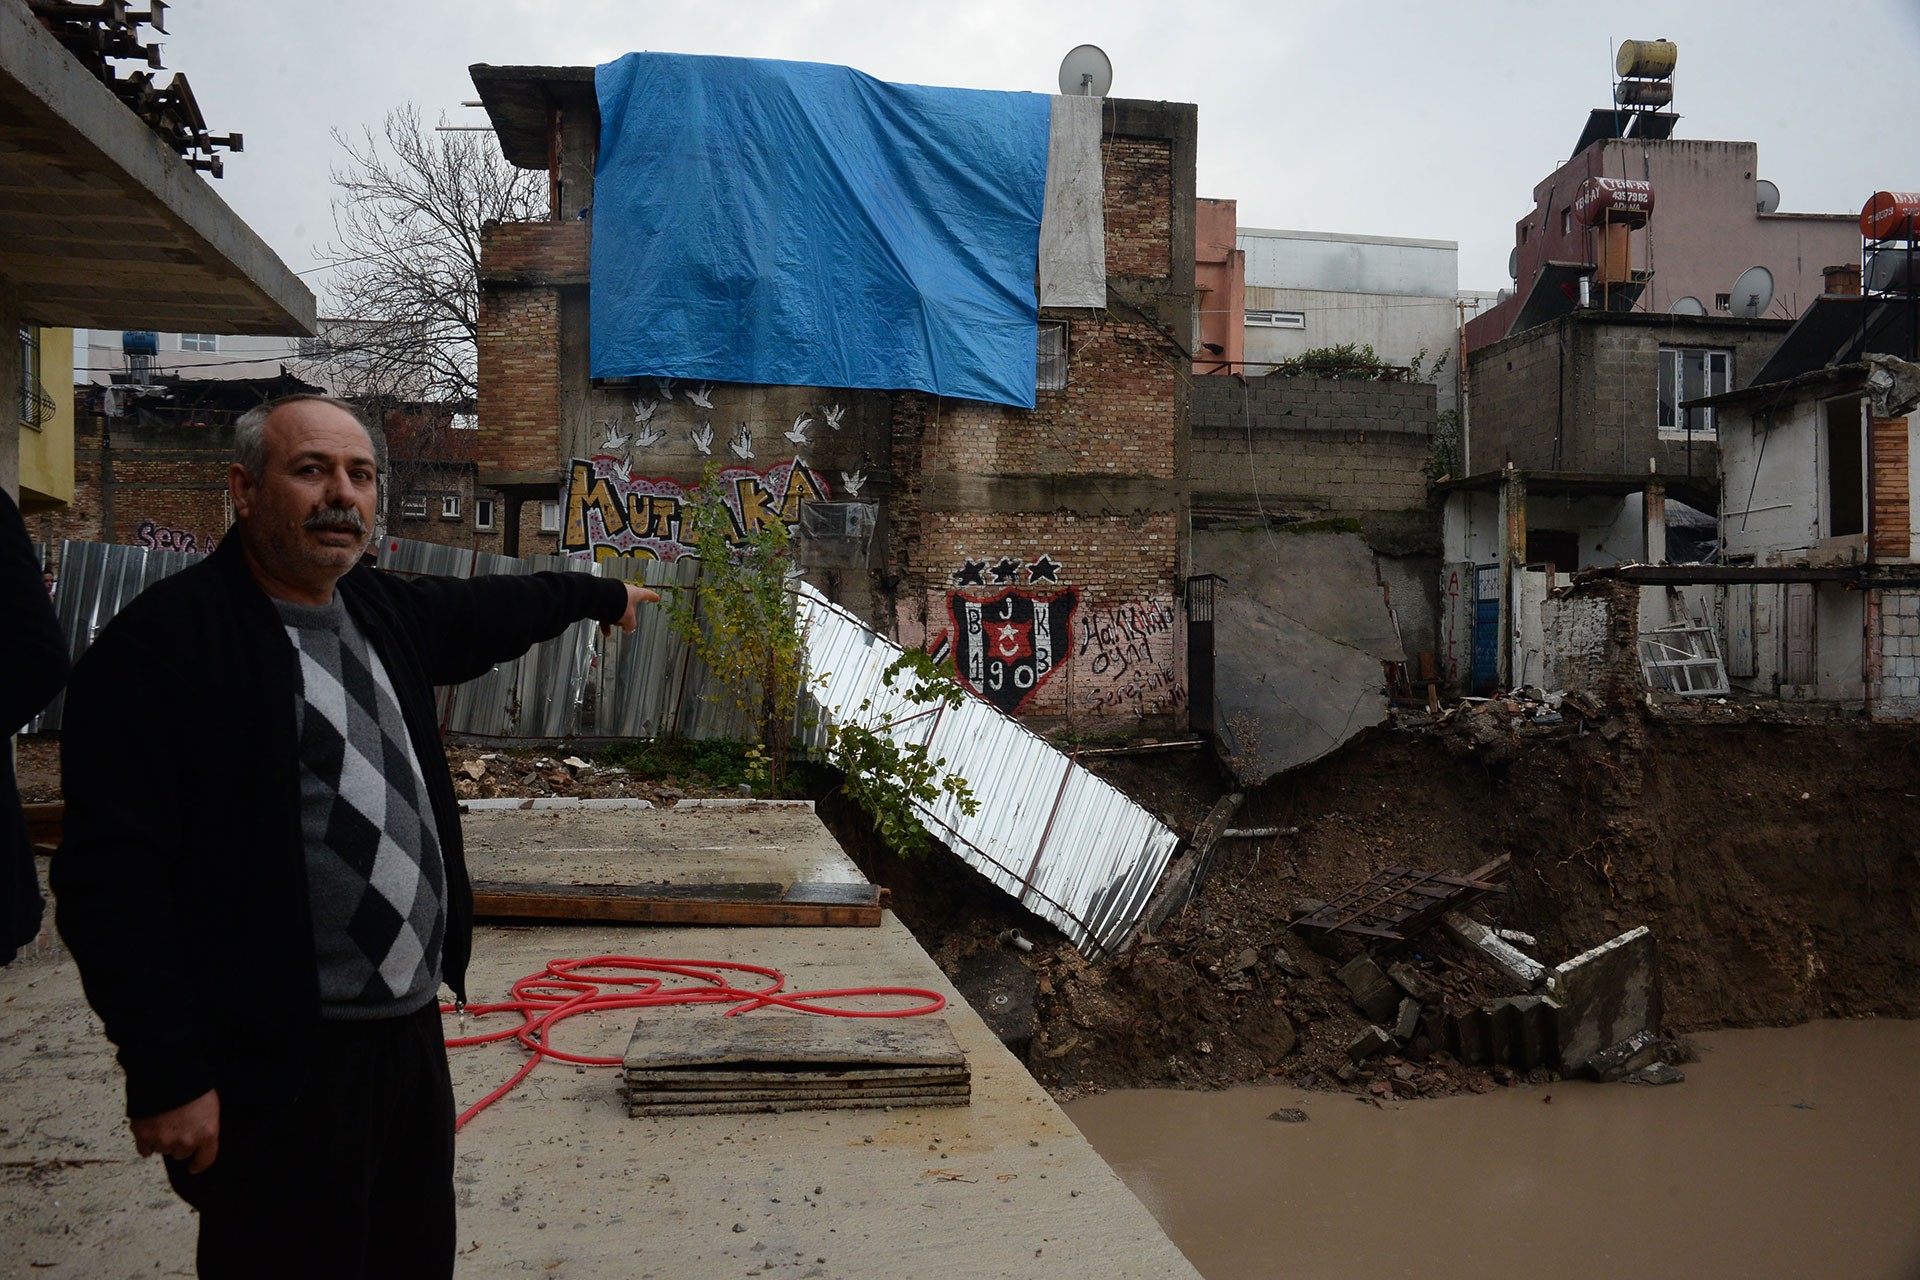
<point x="1429" y="120"/>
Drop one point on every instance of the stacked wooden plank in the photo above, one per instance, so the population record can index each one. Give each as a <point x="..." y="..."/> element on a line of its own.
<point x="758" y="904"/>
<point x="775" y="1061"/>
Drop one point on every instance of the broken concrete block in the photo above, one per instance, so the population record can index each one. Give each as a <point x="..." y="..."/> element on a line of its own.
<point x="1533" y="1044"/>
<point x="1503" y="1033"/>
<point x="1468" y="1035"/>
<point x="1376" y="996"/>
<point x="1410" y="980"/>
<point x="1658" y="1073"/>
<point x="1371" y="1041"/>
<point x="1524" y="968"/>
<point x="1286" y="964"/>
<point x="1620" y="1060"/>
<point x="1605" y="995"/>
<point x="1407" y="1025"/>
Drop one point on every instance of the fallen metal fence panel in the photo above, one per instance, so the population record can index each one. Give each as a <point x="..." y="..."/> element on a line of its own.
<point x="1069" y="846"/>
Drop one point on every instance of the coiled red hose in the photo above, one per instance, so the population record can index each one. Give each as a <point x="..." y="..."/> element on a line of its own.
<point x="562" y="991"/>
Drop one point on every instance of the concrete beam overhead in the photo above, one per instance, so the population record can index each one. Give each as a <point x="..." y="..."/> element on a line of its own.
<point x="102" y="193"/>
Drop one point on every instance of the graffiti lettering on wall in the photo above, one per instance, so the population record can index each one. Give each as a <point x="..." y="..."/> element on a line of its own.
<point x="1129" y="648"/>
<point x="1005" y="648"/>
<point x="611" y="512"/>
<point x="159" y="537"/>
<point x="1005" y="571"/>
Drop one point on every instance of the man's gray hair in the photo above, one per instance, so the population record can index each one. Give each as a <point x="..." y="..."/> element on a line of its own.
<point x="250" y="431"/>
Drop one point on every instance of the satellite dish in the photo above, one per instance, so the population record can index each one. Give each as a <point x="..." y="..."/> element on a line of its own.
<point x="1085" y="72"/>
<point x="1688" y="306"/>
<point x="1766" y="196"/>
<point x="1513" y="264"/>
<point x="1752" y="293"/>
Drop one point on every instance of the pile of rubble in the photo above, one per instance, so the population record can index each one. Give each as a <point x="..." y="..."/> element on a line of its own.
<point x="1594" y="1016"/>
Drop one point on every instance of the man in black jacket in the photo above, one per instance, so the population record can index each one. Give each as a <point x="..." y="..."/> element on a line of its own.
<point x="264" y="908"/>
<point x="33" y="665"/>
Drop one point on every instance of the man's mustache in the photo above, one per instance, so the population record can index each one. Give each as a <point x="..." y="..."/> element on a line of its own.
<point x="335" y="518"/>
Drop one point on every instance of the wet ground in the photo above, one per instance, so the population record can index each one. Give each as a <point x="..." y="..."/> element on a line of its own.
<point x="1786" y="1153"/>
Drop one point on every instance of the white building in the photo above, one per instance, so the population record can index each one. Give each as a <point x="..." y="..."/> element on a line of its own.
<point x="1311" y="289"/>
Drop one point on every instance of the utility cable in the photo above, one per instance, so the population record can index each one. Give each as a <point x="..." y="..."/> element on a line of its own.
<point x="563" y="990"/>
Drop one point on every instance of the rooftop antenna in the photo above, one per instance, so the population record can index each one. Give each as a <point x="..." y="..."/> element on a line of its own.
<point x="1752" y="293"/>
<point x="1086" y="72"/>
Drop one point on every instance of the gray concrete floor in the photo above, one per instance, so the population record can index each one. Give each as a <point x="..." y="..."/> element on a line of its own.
<point x="555" y="1179"/>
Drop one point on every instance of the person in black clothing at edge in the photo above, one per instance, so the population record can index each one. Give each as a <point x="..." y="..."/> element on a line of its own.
<point x="33" y="666"/>
<point x="264" y="912"/>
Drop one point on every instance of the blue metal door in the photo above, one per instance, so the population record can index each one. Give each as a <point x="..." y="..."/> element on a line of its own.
<point x="1486" y="628"/>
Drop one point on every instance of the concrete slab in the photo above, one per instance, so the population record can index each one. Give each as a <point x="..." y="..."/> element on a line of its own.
<point x="1300" y="636"/>
<point x="556" y="1180"/>
<point x="682" y="845"/>
<point x="1605" y="995"/>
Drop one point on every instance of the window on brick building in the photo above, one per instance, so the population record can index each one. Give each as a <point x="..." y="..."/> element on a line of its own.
<point x="1691" y="373"/>
<point x="35" y="405"/>
<point x="449" y="506"/>
<point x="1051" y="373"/>
<point x="483" y="513"/>
<point x="413" y="507"/>
<point x="199" y="342"/>
<point x="550" y="517"/>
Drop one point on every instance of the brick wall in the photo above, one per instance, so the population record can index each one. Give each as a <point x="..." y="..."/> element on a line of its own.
<point x="1139" y="199"/>
<point x="1077" y="507"/>
<point x="1115" y="416"/>
<point x="1079" y="502"/>
<point x="535" y="252"/>
<point x="143" y="485"/>
<point x="1125" y="654"/>
<point x="519" y="370"/>
<point x="1891" y="521"/>
<point x="1319" y="446"/>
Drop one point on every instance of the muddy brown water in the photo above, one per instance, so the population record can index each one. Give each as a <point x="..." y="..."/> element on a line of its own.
<point x="1786" y="1153"/>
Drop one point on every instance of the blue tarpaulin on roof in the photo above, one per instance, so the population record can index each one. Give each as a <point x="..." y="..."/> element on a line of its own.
<point x="794" y="223"/>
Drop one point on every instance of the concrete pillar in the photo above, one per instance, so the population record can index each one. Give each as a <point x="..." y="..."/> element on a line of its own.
<point x="1653" y="524"/>
<point x="10" y="379"/>
<point x="1513" y="557"/>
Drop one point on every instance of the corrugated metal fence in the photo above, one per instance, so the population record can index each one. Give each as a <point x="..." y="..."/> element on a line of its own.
<point x="1071" y="848"/>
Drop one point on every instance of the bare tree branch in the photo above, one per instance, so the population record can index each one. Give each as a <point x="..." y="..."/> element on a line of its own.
<point x="406" y="257"/>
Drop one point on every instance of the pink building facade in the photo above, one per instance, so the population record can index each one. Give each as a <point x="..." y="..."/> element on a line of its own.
<point x="1704" y="230"/>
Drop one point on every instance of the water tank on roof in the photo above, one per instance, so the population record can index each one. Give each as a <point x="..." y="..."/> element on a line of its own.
<point x="139" y="342"/>
<point x="1647" y="59"/>
<point x="1891" y="214"/>
<point x="1643" y="93"/>
<point x="1892" y="271"/>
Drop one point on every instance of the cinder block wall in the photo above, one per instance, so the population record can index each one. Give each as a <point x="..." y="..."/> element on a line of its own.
<point x="1583" y="393"/>
<point x="1315" y="448"/>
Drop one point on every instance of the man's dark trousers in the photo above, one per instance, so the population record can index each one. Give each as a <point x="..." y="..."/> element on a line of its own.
<point x="353" y="1178"/>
